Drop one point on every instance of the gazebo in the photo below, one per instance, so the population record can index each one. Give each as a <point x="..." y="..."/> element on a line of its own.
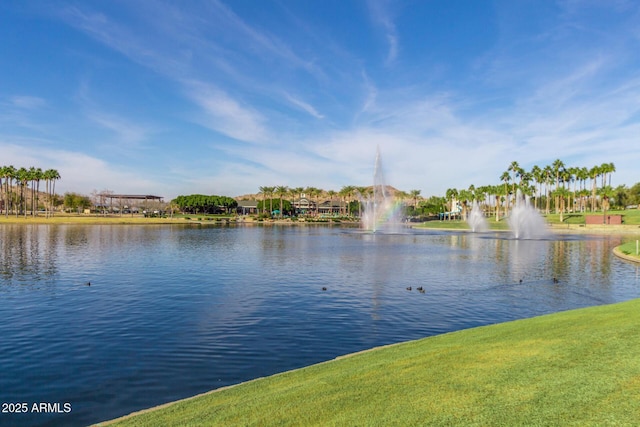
<point x="126" y="198"/>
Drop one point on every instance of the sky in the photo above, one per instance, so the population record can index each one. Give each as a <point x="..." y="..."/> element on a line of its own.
<point x="223" y="97"/>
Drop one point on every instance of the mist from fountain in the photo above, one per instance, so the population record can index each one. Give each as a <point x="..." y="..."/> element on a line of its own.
<point x="525" y="222"/>
<point x="476" y="219"/>
<point x="379" y="211"/>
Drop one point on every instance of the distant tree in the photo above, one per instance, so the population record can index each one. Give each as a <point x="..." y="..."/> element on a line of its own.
<point x="414" y="195"/>
<point x="634" y="194"/>
<point x="76" y="202"/>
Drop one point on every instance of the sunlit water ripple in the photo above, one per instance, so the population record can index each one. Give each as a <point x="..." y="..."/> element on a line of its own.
<point x="173" y="311"/>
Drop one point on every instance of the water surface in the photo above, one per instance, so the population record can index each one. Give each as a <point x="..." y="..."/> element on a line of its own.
<point x="172" y="311"/>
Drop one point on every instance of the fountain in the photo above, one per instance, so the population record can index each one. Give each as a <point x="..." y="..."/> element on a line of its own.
<point x="476" y="219"/>
<point x="525" y="222"/>
<point x="379" y="211"/>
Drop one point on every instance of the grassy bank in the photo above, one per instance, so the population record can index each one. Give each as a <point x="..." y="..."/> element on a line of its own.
<point x="628" y="251"/>
<point x="575" y="222"/>
<point x="89" y="220"/>
<point x="573" y="368"/>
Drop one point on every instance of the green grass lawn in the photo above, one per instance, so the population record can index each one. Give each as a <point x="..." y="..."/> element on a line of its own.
<point x="630" y="249"/>
<point x="630" y="217"/>
<point x="580" y="367"/>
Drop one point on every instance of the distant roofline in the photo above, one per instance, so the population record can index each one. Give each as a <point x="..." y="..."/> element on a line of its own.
<point x="131" y="196"/>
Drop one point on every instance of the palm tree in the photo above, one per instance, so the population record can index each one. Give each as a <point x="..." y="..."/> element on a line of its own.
<point x="605" y="192"/>
<point x="465" y="197"/>
<point x="22" y="178"/>
<point x="594" y="172"/>
<point x="36" y="175"/>
<point x="56" y="176"/>
<point x="345" y="194"/>
<point x="281" y="191"/>
<point x="331" y="194"/>
<point x="297" y="192"/>
<point x="506" y="177"/>
<point x="500" y="192"/>
<point x="364" y="192"/>
<point x="51" y="176"/>
<point x="547" y="193"/>
<point x="606" y="169"/>
<point x="267" y="191"/>
<point x="414" y="195"/>
<point x="582" y="174"/>
<point x="270" y="191"/>
<point x="452" y="195"/>
<point x="561" y="194"/>
<point x="558" y="167"/>
<point x="612" y="168"/>
<point x="4" y="205"/>
<point x="10" y="174"/>
<point x="313" y="193"/>
<point x="538" y="176"/>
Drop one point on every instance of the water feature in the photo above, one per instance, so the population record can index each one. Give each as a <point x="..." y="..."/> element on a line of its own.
<point x="379" y="210"/>
<point x="525" y="221"/>
<point x="173" y="311"/>
<point x="476" y="219"/>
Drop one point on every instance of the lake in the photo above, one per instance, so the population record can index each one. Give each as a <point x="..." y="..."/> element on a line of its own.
<point x="173" y="311"/>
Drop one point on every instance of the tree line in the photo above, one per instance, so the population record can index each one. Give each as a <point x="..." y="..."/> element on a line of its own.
<point x="348" y="198"/>
<point x="21" y="186"/>
<point x="554" y="187"/>
<point x="199" y="203"/>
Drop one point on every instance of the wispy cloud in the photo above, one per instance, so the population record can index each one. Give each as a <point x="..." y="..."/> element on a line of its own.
<point x="303" y="106"/>
<point x="381" y="16"/>
<point x="226" y="115"/>
<point x="125" y="130"/>
<point x="28" y="102"/>
<point x="80" y="172"/>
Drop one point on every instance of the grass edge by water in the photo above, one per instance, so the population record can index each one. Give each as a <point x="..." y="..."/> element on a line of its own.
<point x="572" y="367"/>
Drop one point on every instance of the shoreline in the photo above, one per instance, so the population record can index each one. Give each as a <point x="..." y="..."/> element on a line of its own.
<point x="139" y="220"/>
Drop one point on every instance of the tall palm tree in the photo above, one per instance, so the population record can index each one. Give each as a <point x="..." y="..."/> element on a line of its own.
<point x="267" y="192"/>
<point x="297" y="192"/>
<point x="51" y="176"/>
<point x="537" y="174"/>
<point x="452" y="195"/>
<point x="2" y="187"/>
<point x="612" y="168"/>
<point x="558" y="167"/>
<point x="582" y="174"/>
<point x="281" y="191"/>
<point x="10" y="174"/>
<point x="414" y="195"/>
<point x="506" y="177"/>
<point x="313" y="193"/>
<point x="36" y="177"/>
<point x="344" y="193"/>
<point x="331" y="194"/>
<point x="22" y="178"/>
<point x="270" y="191"/>
<point x="605" y="192"/>
<point x="465" y="197"/>
<point x="561" y="194"/>
<point x="365" y="193"/>
<point x="500" y="192"/>
<point x="594" y="173"/>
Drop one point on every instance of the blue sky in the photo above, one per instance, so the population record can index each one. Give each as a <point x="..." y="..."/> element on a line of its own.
<point x="222" y="97"/>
